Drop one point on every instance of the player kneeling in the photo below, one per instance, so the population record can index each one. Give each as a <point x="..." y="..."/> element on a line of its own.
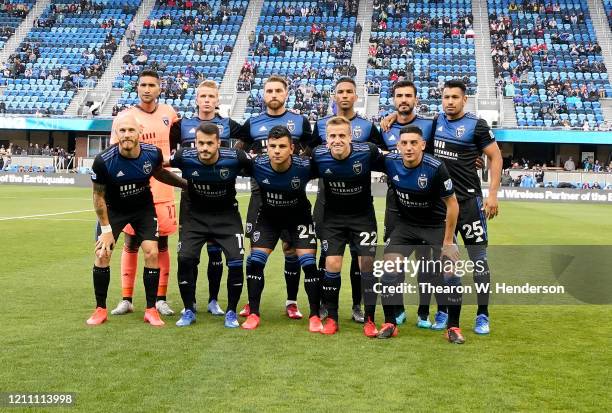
<point x="121" y="196"/>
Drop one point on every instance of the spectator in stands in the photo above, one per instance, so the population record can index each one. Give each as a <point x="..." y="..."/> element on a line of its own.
<point x="2" y="108"/>
<point x="587" y="164"/>
<point x="506" y="179"/>
<point x="358" y="31"/>
<point x="597" y="167"/>
<point x="569" y="164"/>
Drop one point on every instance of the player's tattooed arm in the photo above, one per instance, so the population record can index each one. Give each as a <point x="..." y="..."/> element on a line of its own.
<point x="99" y="203"/>
<point x="169" y="178"/>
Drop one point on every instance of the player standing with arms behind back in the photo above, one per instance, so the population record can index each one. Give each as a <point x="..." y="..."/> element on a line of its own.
<point x="156" y="119"/>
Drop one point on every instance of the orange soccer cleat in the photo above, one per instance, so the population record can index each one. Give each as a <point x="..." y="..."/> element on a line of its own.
<point x="330" y="327"/>
<point x="151" y="316"/>
<point x="251" y="323"/>
<point x="314" y="324"/>
<point x="246" y="311"/>
<point x="99" y="316"/>
<point x="369" y="329"/>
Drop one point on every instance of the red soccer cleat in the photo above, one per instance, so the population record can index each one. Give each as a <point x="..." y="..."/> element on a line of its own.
<point x="387" y="330"/>
<point x="330" y="327"/>
<point x="293" y="312"/>
<point x="314" y="324"/>
<point x="251" y="323"/>
<point x="369" y="329"/>
<point x="453" y="335"/>
<point x="151" y="316"/>
<point x="99" y="316"/>
<point x="246" y="311"/>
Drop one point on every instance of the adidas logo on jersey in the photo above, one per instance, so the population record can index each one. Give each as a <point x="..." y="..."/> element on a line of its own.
<point x="441" y="128"/>
<point x="263" y="129"/>
<point x="265" y="181"/>
<point x="192" y="130"/>
<point x="328" y="171"/>
<point x="120" y="173"/>
<point x="396" y="178"/>
<point x="195" y="173"/>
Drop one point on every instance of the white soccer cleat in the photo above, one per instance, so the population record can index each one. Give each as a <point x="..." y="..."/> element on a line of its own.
<point x="123" y="307"/>
<point x="163" y="308"/>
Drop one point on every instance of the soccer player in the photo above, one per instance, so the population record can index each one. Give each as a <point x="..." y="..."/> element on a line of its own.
<point x="282" y="179"/>
<point x="210" y="213"/>
<point x="345" y="96"/>
<point x="405" y="100"/>
<point x="428" y="212"/>
<point x="207" y="102"/>
<point x="254" y="133"/>
<point x="460" y="138"/>
<point x="121" y="196"/>
<point x="345" y="169"/>
<point x="156" y="119"/>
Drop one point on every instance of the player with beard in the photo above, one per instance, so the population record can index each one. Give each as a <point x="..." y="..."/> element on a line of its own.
<point x="207" y="102"/>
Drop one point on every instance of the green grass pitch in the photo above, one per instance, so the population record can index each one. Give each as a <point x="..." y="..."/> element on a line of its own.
<point x="536" y="359"/>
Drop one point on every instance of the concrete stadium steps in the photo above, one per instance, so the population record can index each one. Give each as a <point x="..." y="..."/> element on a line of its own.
<point x="237" y="111"/>
<point x="603" y="32"/>
<point x="360" y="51"/>
<point x="509" y="114"/>
<point x="482" y="43"/>
<point x="606" y="109"/>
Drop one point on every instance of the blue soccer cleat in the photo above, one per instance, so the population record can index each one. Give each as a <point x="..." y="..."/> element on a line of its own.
<point x="231" y="320"/>
<point x="214" y="309"/>
<point x="187" y="319"/>
<point x="400" y="318"/>
<point x="423" y="322"/>
<point x="440" y="321"/>
<point x="482" y="325"/>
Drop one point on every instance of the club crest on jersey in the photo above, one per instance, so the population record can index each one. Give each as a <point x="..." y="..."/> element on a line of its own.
<point x="357" y="131"/>
<point x="147" y="167"/>
<point x="166" y="120"/>
<point x="324" y="245"/>
<point x="295" y="182"/>
<point x="460" y="131"/>
<point x="422" y="181"/>
<point x="357" y="167"/>
<point x="448" y="184"/>
<point x="291" y="126"/>
<point x="256" y="235"/>
<point x="221" y="128"/>
<point x="249" y="227"/>
<point x="224" y="173"/>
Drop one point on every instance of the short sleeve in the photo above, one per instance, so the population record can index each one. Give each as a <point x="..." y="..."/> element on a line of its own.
<point x="244" y="133"/>
<point x="377" y="159"/>
<point x="245" y="163"/>
<point x="235" y="129"/>
<point x="316" y="138"/>
<point x="306" y="138"/>
<point x="376" y="137"/>
<point x="483" y="136"/>
<point x="100" y="173"/>
<point x="445" y="183"/>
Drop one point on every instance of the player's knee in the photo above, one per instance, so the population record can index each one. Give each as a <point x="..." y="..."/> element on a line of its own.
<point x="150" y="253"/>
<point x="333" y="263"/>
<point x="235" y="274"/>
<point x="258" y="257"/>
<point x="477" y="252"/>
<point x="214" y="253"/>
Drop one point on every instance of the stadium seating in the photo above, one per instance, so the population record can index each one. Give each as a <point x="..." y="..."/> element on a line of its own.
<point x="173" y="49"/>
<point x="431" y="54"/>
<point x="314" y="64"/>
<point x="579" y="75"/>
<point x="12" y="14"/>
<point x="608" y="9"/>
<point x="69" y="40"/>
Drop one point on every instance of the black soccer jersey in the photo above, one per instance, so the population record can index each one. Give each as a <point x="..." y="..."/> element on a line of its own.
<point x="228" y="128"/>
<point x="419" y="191"/>
<point x="255" y="130"/>
<point x="283" y="193"/>
<point x="347" y="182"/>
<point x="127" y="179"/>
<point x="458" y="143"/>
<point x="363" y="131"/>
<point x="212" y="187"/>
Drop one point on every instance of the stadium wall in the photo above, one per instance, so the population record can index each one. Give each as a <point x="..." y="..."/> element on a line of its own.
<point x="378" y="189"/>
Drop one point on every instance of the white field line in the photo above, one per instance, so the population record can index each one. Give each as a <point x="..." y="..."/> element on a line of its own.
<point x="44" y="215"/>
